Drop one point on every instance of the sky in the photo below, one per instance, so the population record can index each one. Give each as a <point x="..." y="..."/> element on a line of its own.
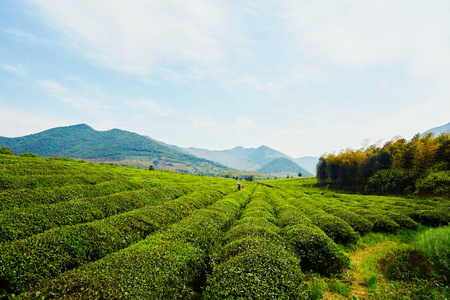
<point x="303" y="77"/>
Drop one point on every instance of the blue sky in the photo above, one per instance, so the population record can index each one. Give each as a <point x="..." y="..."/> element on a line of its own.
<point x="300" y="76"/>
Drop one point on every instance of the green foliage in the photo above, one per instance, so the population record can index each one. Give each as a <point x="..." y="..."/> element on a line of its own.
<point x="392" y="181"/>
<point x="435" y="245"/>
<point x="64" y="248"/>
<point x="337" y="229"/>
<point x="437" y="183"/>
<point x="399" y="167"/>
<point x="406" y="265"/>
<point x="167" y="265"/>
<point x="381" y="222"/>
<point x="317" y="251"/>
<point x="431" y="217"/>
<point x="6" y="151"/>
<point x="22" y="223"/>
<point x="256" y="269"/>
<point x="357" y="222"/>
<point x="79" y="230"/>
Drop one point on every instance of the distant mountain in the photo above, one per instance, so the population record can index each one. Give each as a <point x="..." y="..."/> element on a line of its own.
<point x="225" y="157"/>
<point x="308" y="162"/>
<point x="282" y="166"/>
<point x="119" y="146"/>
<point x="439" y="130"/>
<point x="250" y="159"/>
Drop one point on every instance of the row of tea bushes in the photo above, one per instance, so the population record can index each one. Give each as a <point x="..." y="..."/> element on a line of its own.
<point x="170" y="264"/>
<point x="43" y="256"/>
<point x="384" y="211"/>
<point x="253" y="261"/>
<point x="317" y="251"/>
<point x="23" y="222"/>
<point x="334" y="227"/>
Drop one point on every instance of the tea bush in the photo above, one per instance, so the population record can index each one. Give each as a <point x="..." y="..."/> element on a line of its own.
<point x="316" y="250"/>
<point x="49" y="254"/>
<point x="168" y="265"/>
<point x="357" y="222"/>
<point x="432" y="217"/>
<point x="381" y="222"/>
<point x="256" y="269"/>
<point x="406" y="265"/>
<point x="21" y="223"/>
<point x="336" y="228"/>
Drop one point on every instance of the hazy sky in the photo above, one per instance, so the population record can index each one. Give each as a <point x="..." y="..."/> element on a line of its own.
<point x="303" y="77"/>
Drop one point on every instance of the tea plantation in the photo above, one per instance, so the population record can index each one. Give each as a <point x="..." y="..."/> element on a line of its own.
<point x="76" y="230"/>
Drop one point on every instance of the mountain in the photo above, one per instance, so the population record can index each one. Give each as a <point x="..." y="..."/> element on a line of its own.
<point x="225" y="157"/>
<point x="439" y="130"/>
<point x="282" y="166"/>
<point x="250" y="159"/>
<point x="118" y="146"/>
<point x="308" y="162"/>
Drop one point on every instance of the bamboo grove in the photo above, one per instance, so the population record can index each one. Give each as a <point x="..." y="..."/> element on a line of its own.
<point x="418" y="166"/>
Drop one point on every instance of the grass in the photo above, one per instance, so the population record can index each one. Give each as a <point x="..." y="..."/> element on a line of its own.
<point x="364" y="280"/>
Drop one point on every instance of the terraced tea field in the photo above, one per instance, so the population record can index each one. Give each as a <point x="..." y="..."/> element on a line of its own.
<point x="75" y="230"/>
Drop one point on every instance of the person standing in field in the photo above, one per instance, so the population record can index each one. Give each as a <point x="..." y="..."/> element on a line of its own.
<point x="239" y="186"/>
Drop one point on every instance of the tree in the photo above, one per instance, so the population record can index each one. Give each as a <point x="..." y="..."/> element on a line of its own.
<point x="6" y="151"/>
<point x="300" y="175"/>
<point x="151" y="168"/>
<point x="250" y="178"/>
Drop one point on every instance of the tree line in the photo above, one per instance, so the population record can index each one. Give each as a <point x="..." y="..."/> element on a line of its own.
<point x="418" y="166"/>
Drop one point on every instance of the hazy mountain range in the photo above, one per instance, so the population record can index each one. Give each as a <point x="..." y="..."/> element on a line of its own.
<point x="262" y="159"/>
<point x="127" y="148"/>
<point x="439" y="130"/>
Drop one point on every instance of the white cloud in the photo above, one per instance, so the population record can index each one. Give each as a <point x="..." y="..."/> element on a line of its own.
<point x="365" y="34"/>
<point x="53" y="88"/>
<point x="18" y="70"/>
<point x="152" y="107"/>
<point x="66" y="95"/>
<point x="140" y="36"/>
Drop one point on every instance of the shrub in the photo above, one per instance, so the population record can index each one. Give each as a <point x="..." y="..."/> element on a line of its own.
<point x="6" y="151"/>
<point x="405" y="265"/>
<point x="316" y="250"/>
<point x="337" y="229"/>
<point x="403" y="221"/>
<point x="168" y="265"/>
<point x="435" y="244"/>
<point x="357" y="222"/>
<point x="290" y="215"/>
<point x="432" y="217"/>
<point x="259" y="270"/>
<point x="53" y="252"/>
<point x="381" y="222"/>
<point x="269" y="232"/>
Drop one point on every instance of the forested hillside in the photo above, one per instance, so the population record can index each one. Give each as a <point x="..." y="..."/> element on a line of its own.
<point x="114" y="146"/>
<point x="418" y="166"/>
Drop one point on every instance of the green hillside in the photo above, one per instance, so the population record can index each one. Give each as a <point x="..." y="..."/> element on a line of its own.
<point x="76" y="230"/>
<point x="116" y="146"/>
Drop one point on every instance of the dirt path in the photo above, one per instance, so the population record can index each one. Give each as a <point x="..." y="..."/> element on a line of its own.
<point x="357" y="273"/>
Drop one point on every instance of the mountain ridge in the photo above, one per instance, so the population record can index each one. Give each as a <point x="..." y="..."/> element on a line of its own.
<point x="83" y="142"/>
<point x="250" y="159"/>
